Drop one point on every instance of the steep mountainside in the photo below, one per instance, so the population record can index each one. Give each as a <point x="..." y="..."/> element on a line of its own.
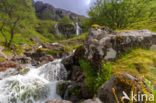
<point x="47" y="11"/>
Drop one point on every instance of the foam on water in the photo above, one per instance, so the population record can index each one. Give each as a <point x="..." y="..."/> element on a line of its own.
<point x="36" y="86"/>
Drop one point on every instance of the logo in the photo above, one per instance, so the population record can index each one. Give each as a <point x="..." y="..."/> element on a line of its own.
<point x="139" y="97"/>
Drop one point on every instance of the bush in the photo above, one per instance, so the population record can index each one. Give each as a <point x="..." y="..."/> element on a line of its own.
<point x="89" y="73"/>
<point x="94" y="80"/>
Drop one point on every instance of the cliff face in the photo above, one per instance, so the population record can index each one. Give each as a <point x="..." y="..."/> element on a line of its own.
<point x="47" y="11"/>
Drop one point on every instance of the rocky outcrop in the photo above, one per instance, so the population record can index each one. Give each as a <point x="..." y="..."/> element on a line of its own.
<point x="66" y="29"/>
<point x="56" y="49"/>
<point x="52" y="13"/>
<point x="102" y="44"/>
<point x="22" y="59"/>
<point x="58" y="101"/>
<point x="120" y="84"/>
<point x="39" y="57"/>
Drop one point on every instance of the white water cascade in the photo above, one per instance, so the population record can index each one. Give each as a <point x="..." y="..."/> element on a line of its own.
<point x="57" y="30"/>
<point x="35" y="86"/>
<point x="78" y="29"/>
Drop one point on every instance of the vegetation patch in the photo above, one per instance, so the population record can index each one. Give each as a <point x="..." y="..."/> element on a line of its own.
<point x="94" y="80"/>
<point x="137" y="62"/>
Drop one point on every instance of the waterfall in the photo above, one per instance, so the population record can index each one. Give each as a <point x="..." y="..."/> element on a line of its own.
<point x="57" y="30"/>
<point x="37" y="85"/>
<point x="78" y="29"/>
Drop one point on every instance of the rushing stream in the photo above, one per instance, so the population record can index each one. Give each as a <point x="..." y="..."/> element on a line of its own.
<point x="35" y="85"/>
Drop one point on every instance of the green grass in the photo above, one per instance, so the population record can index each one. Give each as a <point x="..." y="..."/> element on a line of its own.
<point x="137" y="62"/>
<point x="147" y="24"/>
<point x="73" y="43"/>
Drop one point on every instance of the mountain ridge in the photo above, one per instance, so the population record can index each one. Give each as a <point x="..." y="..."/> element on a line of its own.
<point x="47" y="11"/>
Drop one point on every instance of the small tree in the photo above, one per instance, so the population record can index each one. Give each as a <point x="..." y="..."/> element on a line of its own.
<point x="117" y="14"/>
<point x="13" y="14"/>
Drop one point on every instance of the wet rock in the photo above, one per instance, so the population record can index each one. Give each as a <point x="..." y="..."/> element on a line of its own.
<point x="103" y="44"/>
<point x="70" y="91"/>
<point x="77" y="74"/>
<point x="112" y="90"/>
<point x="62" y="87"/>
<point x="79" y="54"/>
<point x="95" y="100"/>
<point x="58" y="101"/>
<point x="9" y="64"/>
<point x="39" y="57"/>
<point x="68" y="61"/>
<point x="86" y="92"/>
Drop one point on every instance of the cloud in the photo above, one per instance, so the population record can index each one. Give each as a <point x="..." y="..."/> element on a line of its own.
<point x="77" y="6"/>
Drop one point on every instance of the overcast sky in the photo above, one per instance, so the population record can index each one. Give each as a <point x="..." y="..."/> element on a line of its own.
<point x="77" y="6"/>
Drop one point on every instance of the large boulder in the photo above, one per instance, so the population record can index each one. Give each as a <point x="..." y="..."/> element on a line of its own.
<point x="120" y="85"/>
<point x="103" y="44"/>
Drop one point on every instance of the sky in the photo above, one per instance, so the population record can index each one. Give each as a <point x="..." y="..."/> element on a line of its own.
<point x="78" y="6"/>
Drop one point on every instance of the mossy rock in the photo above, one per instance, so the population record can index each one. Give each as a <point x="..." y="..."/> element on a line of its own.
<point x="112" y="90"/>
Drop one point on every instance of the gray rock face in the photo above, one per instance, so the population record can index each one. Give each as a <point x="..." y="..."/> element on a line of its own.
<point x="102" y="44"/>
<point x="112" y="90"/>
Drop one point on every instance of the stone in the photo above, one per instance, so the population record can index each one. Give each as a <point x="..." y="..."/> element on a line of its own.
<point x="69" y="91"/>
<point x="68" y="61"/>
<point x="153" y="47"/>
<point x="77" y="74"/>
<point x="58" y="101"/>
<point x="79" y="54"/>
<point x="22" y="59"/>
<point x="58" y="49"/>
<point x="62" y="87"/>
<point x="39" y="57"/>
<point x="102" y="44"/>
<point x="94" y="100"/>
<point x="119" y="84"/>
<point x="9" y="64"/>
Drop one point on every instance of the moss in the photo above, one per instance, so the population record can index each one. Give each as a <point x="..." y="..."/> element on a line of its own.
<point x="8" y="52"/>
<point x="95" y="26"/>
<point x="77" y="91"/>
<point x="2" y="59"/>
